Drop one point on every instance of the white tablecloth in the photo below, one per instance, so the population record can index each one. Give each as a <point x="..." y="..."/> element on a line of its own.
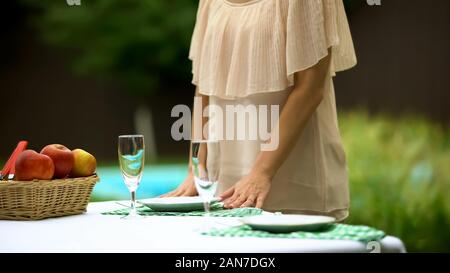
<point x="93" y="232"/>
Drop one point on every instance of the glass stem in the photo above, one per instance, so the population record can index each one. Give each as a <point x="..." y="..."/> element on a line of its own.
<point x="207" y="208"/>
<point x="133" y="211"/>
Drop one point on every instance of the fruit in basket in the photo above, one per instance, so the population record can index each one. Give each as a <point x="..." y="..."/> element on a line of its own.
<point x="84" y="164"/>
<point x="32" y="165"/>
<point x="62" y="157"/>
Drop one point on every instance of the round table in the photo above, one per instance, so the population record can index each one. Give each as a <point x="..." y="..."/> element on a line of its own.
<point x="94" y="232"/>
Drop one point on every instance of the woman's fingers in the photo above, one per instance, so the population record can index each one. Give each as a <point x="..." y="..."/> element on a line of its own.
<point x="250" y="202"/>
<point x="188" y="192"/>
<point x="169" y="194"/>
<point x="230" y="201"/>
<point x="183" y="192"/>
<point x="177" y="192"/>
<point x="260" y="201"/>
<point x="239" y="201"/>
<point x="227" y="193"/>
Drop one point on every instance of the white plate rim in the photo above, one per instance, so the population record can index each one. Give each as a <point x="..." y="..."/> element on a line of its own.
<point x="159" y="201"/>
<point x="325" y="220"/>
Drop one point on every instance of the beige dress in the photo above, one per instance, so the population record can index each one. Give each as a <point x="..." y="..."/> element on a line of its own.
<point x="247" y="54"/>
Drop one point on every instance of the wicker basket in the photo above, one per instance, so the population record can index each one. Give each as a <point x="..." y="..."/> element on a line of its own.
<point x="39" y="199"/>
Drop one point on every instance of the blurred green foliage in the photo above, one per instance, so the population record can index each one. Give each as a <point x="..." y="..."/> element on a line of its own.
<point x="399" y="177"/>
<point x="143" y="44"/>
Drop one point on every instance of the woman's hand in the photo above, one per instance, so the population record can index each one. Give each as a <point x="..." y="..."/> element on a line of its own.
<point x="187" y="188"/>
<point x="250" y="191"/>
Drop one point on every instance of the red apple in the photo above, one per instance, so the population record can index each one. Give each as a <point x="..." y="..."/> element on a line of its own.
<point x="31" y="165"/>
<point x="62" y="159"/>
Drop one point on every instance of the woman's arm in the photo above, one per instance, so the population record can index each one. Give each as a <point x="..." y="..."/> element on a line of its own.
<point x="300" y="106"/>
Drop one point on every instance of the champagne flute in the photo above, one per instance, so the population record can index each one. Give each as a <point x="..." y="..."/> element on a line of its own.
<point x="206" y="167"/>
<point x="131" y="158"/>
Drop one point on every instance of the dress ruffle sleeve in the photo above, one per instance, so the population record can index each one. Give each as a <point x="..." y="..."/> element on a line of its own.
<point x="198" y="38"/>
<point x="314" y="26"/>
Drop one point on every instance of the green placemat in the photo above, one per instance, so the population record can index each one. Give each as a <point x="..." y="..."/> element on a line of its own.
<point x="216" y="211"/>
<point x="335" y="232"/>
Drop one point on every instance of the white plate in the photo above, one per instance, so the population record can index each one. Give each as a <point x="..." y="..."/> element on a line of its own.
<point x="175" y="203"/>
<point x="288" y="222"/>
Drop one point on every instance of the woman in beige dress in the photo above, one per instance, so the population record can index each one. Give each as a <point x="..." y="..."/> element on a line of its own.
<point x="285" y="53"/>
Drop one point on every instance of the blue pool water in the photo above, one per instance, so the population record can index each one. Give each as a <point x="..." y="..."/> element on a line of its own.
<point x="156" y="180"/>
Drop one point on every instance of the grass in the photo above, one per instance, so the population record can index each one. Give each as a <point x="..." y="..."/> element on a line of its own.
<point x="400" y="178"/>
